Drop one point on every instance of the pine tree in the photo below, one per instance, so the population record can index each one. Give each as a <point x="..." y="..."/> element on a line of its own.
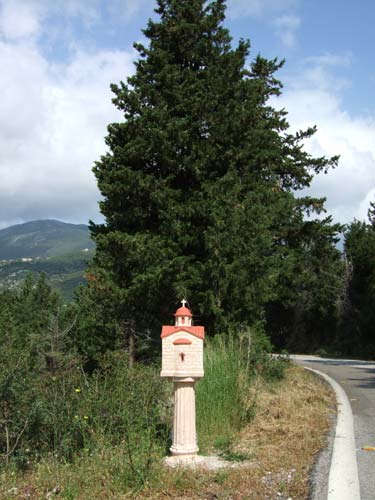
<point x="199" y="181"/>
<point x="371" y="214"/>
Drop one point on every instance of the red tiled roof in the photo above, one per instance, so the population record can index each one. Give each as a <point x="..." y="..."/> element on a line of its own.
<point x="183" y="311"/>
<point x="197" y="331"/>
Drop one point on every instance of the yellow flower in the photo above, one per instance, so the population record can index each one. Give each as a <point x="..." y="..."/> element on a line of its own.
<point x="86" y="417"/>
<point x="77" y="390"/>
<point x="76" y="417"/>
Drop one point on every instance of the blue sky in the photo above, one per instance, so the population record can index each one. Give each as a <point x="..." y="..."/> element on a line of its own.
<point x="58" y="58"/>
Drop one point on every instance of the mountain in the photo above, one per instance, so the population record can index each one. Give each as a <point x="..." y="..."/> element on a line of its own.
<point x="57" y="249"/>
<point x="43" y="238"/>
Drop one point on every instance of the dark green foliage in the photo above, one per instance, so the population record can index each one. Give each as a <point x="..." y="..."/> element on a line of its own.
<point x="304" y="317"/>
<point x="129" y="408"/>
<point x="199" y="188"/>
<point x="356" y="333"/>
<point x="35" y="334"/>
<point x="50" y="405"/>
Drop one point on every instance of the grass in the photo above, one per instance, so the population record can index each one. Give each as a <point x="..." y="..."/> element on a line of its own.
<point x="282" y="439"/>
<point x="226" y="396"/>
<point x="221" y="393"/>
<point x="289" y="429"/>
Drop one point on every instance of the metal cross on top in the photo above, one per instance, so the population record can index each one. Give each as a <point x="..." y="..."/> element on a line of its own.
<point x="183" y="302"/>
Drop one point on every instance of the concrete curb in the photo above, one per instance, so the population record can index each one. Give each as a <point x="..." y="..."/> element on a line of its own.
<point x="343" y="482"/>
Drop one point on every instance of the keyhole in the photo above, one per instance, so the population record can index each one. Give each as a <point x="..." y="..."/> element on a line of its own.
<point x="182" y="356"/>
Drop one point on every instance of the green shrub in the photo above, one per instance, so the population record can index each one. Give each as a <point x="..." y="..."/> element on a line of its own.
<point x="67" y="412"/>
<point x="129" y="408"/>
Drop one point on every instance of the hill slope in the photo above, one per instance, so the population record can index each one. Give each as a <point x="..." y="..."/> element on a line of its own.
<point x="52" y="247"/>
<point x="64" y="273"/>
<point x="43" y="238"/>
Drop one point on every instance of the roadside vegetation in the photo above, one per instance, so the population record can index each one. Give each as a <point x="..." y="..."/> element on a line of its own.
<point x="83" y="434"/>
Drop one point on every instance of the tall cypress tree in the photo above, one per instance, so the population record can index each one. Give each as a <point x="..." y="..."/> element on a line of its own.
<point x="199" y="181"/>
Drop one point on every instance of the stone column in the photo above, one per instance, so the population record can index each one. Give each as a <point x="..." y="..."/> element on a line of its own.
<point x="184" y="432"/>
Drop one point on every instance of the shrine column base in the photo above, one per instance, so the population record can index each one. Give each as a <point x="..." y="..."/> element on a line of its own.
<point x="184" y="437"/>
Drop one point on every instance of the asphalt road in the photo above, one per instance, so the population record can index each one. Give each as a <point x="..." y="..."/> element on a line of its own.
<point x="357" y="378"/>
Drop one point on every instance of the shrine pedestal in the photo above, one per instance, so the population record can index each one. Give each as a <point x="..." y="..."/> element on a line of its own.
<point x="184" y="437"/>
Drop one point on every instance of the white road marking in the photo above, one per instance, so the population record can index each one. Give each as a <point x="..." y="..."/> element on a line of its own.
<point x="343" y="482"/>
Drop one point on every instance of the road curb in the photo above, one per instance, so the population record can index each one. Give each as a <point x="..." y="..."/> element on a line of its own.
<point x="343" y="482"/>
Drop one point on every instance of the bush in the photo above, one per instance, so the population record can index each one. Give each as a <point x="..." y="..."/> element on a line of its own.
<point x="70" y="412"/>
<point x="129" y="408"/>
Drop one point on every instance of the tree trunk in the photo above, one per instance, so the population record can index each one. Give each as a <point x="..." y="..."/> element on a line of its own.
<point x="297" y="340"/>
<point x="131" y="347"/>
<point x="126" y="331"/>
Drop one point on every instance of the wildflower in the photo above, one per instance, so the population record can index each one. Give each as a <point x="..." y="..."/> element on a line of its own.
<point x="86" y="417"/>
<point x="76" y="417"/>
<point x="77" y="389"/>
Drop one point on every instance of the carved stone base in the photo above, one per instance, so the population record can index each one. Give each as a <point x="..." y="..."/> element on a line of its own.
<point x="206" y="463"/>
<point x="184" y="438"/>
<point x="190" y="461"/>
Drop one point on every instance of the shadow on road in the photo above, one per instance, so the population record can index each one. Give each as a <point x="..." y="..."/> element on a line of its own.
<point x="338" y="362"/>
<point x="365" y="367"/>
<point x="363" y="382"/>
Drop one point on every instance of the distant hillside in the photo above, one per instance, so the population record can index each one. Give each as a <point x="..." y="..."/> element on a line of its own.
<point x="55" y="248"/>
<point x="64" y="273"/>
<point x="43" y="238"/>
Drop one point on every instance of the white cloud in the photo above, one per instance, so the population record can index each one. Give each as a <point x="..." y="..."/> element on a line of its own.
<point x="30" y="19"/>
<point x="241" y="8"/>
<point x="286" y="28"/>
<point x="54" y="116"/>
<point x="132" y="7"/>
<point x="88" y="10"/>
<point x="26" y="18"/>
<point x="321" y="72"/>
<point x="312" y="98"/>
<point x="52" y="126"/>
<point x="328" y="59"/>
<point x="19" y="19"/>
